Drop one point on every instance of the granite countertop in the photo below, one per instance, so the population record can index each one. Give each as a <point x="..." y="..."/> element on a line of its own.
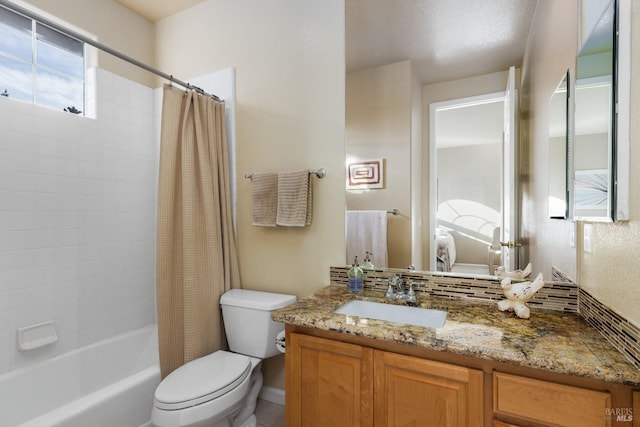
<point x="551" y="340"/>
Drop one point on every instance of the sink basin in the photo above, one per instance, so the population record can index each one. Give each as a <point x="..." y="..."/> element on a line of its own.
<point x="394" y="313"/>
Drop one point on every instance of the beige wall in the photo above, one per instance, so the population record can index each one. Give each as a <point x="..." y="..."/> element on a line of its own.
<point x="111" y="24"/>
<point x="378" y="125"/>
<point x="611" y="271"/>
<point x="289" y="61"/>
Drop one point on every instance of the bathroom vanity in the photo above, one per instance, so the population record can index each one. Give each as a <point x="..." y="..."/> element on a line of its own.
<point x="482" y="368"/>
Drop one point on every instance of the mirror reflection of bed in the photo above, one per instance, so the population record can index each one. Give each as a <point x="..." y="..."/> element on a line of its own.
<point x="466" y="259"/>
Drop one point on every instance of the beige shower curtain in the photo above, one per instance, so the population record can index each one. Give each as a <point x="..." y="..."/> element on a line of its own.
<point x="196" y="258"/>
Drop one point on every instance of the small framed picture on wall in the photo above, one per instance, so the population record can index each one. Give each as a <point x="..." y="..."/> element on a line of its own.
<point x="365" y="174"/>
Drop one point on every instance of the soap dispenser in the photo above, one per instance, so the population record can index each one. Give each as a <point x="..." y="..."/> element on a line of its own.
<point x="356" y="277"/>
<point x="367" y="264"/>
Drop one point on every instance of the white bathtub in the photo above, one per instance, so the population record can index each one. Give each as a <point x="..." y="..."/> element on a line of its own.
<point x="107" y="384"/>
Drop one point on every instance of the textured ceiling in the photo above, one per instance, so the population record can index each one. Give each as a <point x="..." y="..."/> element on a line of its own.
<point x="445" y="39"/>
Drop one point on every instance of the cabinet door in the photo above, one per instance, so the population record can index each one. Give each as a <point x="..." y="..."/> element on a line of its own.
<point x="417" y="392"/>
<point x="329" y="383"/>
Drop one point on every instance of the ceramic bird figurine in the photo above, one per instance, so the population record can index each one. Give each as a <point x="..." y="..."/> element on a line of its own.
<point x="516" y="274"/>
<point x="518" y="294"/>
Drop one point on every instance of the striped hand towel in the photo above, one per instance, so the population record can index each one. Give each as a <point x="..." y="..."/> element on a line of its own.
<point x="295" y="199"/>
<point x="265" y="196"/>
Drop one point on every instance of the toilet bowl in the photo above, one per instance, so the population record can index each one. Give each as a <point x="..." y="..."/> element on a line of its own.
<point x="221" y="389"/>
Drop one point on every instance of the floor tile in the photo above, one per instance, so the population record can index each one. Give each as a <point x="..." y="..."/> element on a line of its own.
<point x="269" y="414"/>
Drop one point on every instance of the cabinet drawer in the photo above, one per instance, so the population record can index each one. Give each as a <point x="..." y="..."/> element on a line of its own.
<point x="549" y="403"/>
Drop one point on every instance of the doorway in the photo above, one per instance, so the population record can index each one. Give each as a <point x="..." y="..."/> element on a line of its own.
<point x="466" y="183"/>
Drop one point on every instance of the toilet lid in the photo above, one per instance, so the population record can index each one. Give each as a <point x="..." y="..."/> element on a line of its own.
<point x="202" y="380"/>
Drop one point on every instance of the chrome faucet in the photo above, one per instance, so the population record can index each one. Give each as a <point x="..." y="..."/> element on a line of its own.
<point x="390" y="284"/>
<point x="411" y="296"/>
<point x="394" y="288"/>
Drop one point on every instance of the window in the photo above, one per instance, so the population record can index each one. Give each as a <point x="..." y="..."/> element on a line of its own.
<point x="40" y="65"/>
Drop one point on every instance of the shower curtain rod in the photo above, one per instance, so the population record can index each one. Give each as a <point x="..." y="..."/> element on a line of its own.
<point x="44" y="21"/>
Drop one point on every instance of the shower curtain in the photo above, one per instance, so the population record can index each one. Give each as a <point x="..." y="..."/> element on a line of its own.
<point x="196" y="259"/>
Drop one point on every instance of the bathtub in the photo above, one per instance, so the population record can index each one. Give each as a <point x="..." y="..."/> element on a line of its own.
<point x="106" y="384"/>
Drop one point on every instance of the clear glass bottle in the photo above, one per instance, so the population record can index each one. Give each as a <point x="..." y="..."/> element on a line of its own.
<point x="356" y="277"/>
<point x="367" y="264"/>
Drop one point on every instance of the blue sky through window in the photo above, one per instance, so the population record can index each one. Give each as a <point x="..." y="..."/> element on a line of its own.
<point x="16" y="79"/>
<point x="53" y="77"/>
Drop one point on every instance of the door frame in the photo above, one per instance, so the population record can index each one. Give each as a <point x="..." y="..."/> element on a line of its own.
<point x="510" y="231"/>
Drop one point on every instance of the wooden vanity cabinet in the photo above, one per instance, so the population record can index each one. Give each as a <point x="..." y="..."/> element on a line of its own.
<point x="343" y="380"/>
<point x="331" y="383"/>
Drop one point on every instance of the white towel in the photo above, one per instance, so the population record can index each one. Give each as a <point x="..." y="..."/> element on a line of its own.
<point x="367" y="231"/>
<point x="295" y="199"/>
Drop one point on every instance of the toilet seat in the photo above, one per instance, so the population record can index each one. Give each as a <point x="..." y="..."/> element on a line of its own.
<point x="202" y="380"/>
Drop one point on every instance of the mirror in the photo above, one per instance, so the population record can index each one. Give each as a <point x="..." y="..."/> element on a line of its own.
<point x="384" y="127"/>
<point x="558" y="148"/>
<point x="593" y="165"/>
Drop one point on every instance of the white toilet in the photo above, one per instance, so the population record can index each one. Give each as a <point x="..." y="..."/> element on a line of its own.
<point x="221" y="389"/>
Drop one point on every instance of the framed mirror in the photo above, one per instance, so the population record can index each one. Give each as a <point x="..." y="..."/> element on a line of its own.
<point x="599" y="175"/>
<point x="558" y="149"/>
<point x="592" y="154"/>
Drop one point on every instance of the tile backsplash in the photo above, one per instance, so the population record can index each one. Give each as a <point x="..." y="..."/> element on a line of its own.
<point x="622" y="334"/>
<point x="553" y="296"/>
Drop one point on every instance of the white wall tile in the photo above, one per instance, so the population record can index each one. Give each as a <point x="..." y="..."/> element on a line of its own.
<point x="77" y="218"/>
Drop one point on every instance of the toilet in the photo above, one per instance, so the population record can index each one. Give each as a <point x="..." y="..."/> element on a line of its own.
<point x="221" y="389"/>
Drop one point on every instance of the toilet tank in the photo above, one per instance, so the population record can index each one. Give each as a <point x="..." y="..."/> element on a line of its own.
<point x="247" y="321"/>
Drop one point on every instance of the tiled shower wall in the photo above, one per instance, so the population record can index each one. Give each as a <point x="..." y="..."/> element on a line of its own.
<point x="77" y="218"/>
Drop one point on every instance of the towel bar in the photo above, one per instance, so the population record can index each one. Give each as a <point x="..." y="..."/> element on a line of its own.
<point x="320" y="173"/>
